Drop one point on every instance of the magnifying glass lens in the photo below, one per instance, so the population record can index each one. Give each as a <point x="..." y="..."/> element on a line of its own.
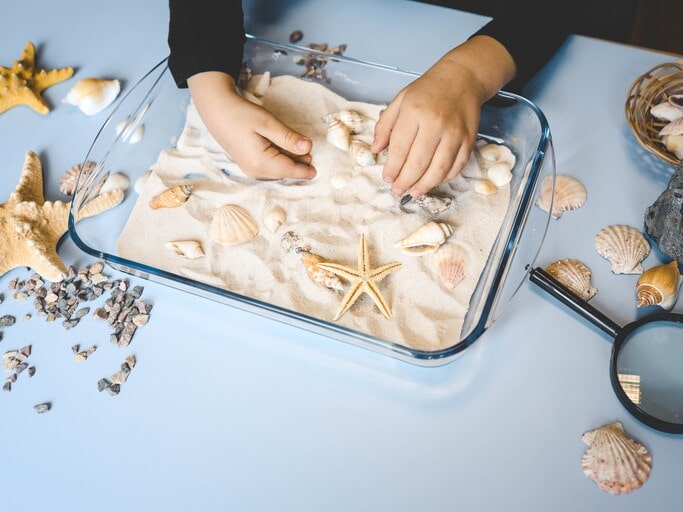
<point x="649" y="369"/>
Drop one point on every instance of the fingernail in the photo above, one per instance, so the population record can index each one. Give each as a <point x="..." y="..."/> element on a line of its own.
<point x="302" y="145"/>
<point x="388" y="179"/>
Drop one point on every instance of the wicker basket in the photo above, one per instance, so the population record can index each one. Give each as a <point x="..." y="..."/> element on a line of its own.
<point x="649" y="89"/>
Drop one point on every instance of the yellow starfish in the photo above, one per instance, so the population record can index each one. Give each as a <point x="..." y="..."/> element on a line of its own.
<point x="22" y="84"/>
<point x="31" y="227"/>
<point x="363" y="279"/>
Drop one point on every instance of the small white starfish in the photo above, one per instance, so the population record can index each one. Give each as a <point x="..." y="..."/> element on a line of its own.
<point x="362" y="279"/>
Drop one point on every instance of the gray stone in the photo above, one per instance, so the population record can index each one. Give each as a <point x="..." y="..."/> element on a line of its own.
<point x="664" y="218"/>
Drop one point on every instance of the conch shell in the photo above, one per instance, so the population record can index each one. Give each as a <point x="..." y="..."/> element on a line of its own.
<point x="624" y="246"/>
<point x="338" y="133"/>
<point x="574" y="275"/>
<point x="426" y="239"/>
<point x="171" y="197"/>
<point x="232" y="225"/>
<point x="659" y="286"/>
<point x="615" y="462"/>
<point x="190" y="249"/>
<point x="449" y="262"/>
<point x="91" y="95"/>
<point x="318" y="275"/>
<point x="570" y="194"/>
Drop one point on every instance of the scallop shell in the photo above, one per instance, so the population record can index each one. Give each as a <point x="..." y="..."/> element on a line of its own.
<point x="574" y="275"/>
<point x="361" y="153"/>
<point x="171" y="197"/>
<point x="318" y="275"/>
<point x="624" y="246"/>
<point x="426" y="239"/>
<point x="188" y="248"/>
<point x="91" y="95"/>
<point x="500" y="173"/>
<point x="67" y="183"/>
<point x="116" y="180"/>
<point x="570" y="194"/>
<point x="659" y="286"/>
<point x="232" y="225"/>
<point x="338" y="133"/>
<point x="615" y="462"/>
<point x="449" y="263"/>
<point x="275" y="218"/>
<point x="356" y="122"/>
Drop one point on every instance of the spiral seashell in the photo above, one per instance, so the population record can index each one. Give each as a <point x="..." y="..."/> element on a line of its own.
<point x="232" y="225"/>
<point x="624" y="246"/>
<point x="356" y="122"/>
<point x="317" y="274"/>
<point x="614" y="461"/>
<point x="275" y="218"/>
<point x="190" y="249"/>
<point x="570" y="194"/>
<point x="574" y="275"/>
<point x="67" y="183"/>
<point x="361" y="153"/>
<point x="426" y="239"/>
<point x="658" y="286"/>
<point x="338" y="133"/>
<point x="91" y="95"/>
<point x="497" y="153"/>
<point x="171" y="197"/>
<point x="449" y="263"/>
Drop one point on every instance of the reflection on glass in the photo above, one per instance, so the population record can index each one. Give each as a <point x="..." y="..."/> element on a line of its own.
<point x="630" y="383"/>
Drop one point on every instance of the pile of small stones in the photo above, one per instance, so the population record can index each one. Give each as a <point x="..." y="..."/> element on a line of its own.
<point x="15" y="361"/>
<point x="113" y="383"/>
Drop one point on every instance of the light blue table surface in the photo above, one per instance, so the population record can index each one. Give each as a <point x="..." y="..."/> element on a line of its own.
<point x="230" y="411"/>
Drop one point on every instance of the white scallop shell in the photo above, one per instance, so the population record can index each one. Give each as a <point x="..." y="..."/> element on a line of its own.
<point x="91" y="95"/>
<point x="191" y="249"/>
<point x="449" y="263"/>
<point x="275" y="218"/>
<point x="426" y="239"/>
<point x="570" y="194"/>
<point x="116" y="180"/>
<point x="615" y="462"/>
<point x="658" y="286"/>
<point x="574" y="275"/>
<point x="624" y="246"/>
<point x="232" y="225"/>
<point x="500" y="173"/>
<point x="361" y="153"/>
<point x="67" y="183"/>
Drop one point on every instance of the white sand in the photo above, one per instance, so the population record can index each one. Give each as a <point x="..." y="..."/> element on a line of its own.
<point x="330" y="221"/>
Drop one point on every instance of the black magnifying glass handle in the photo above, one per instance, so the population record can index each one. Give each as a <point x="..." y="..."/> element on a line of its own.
<point x="548" y="283"/>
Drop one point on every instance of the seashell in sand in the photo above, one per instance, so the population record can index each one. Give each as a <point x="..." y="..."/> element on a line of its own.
<point x="570" y="194"/>
<point x="275" y="218"/>
<point x="171" y="197"/>
<point x="67" y="183"/>
<point x="484" y="187"/>
<point x="290" y="241"/>
<point x="493" y="153"/>
<point x="338" y="133"/>
<point x="434" y="204"/>
<point x="361" y="153"/>
<point x="341" y="180"/>
<point x="317" y="274"/>
<point x="499" y="174"/>
<point x="574" y="275"/>
<point x="624" y="246"/>
<point x="658" y="286"/>
<point x="614" y="461"/>
<point x="141" y="181"/>
<point x="356" y="122"/>
<point x="667" y="110"/>
<point x="190" y="249"/>
<point x="116" y="180"/>
<point x="91" y="95"/>
<point x="449" y="263"/>
<point x="426" y="239"/>
<point x="232" y="225"/>
<point x="261" y="84"/>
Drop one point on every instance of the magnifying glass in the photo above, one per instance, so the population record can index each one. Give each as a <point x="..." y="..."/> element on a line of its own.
<point x="646" y="366"/>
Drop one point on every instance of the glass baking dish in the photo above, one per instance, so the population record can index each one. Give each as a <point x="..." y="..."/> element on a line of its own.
<point x="160" y="106"/>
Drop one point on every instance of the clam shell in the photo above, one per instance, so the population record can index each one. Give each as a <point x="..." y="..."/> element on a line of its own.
<point x="91" y="95"/>
<point x="171" y="197"/>
<point x="232" y="225"/>
<point x="338" y="133"/>
<point x="361" y="153"/>
<point x="275" y="218"/>
<point x="570" y="194"/>
<point x="191" y="249"/>
<point x="426" y="239"/>
<point x="615" y="462"/>
<point x="624" y="246"/>
<point x="317" y="274"/>
<point x="449" y="262"/>
<point x="356" y="122"/>
<point x="658" y="286"/>
<point x="574" y="275"/>
<point x="67" y="183"/>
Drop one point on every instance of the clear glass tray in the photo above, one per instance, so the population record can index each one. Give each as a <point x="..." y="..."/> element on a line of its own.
<point x="156" y="102"/>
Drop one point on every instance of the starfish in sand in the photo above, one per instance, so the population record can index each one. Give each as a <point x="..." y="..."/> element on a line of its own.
<point x="362" y="279"/>
<point x="22" y="83"/>
<point x="31" y="227"/>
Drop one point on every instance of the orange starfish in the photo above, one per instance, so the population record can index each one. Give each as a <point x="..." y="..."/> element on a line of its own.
<point x="22" y="84"/>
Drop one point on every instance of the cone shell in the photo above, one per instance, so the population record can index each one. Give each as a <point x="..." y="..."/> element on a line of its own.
<point x="570" y="194"/>
<point x="449" y="263"/>
<point x="91" y="95"/>
<point x="190" y="249"/>
<point x="574" y="275"/>
<point x="362" y="154"/>
<point x="426" y="239"/>
<point x="658" y="286"/>
<point x="318" y="275"/>
<point x="232" y="225"/>
<point x="624" y="246"/>
<point x="615" y="462"/>
<point x="171" y="197"/>
<point x="275" y="218"/>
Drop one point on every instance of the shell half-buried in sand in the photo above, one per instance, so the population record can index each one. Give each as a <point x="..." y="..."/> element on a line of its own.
<point x="317" y="274"/>
<point x="232" y="225"/>
<point x="426" y="239"/>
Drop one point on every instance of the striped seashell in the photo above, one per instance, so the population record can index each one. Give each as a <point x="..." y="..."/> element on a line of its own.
<point x="317" y="274"/>
<point x="67" y="183"/>
<point x="171" y="197"/>
<point x="361" y="153"/>
<point x="624" y="246"/>
<point x="232" y="225"/>
<point x="658" y="286"/>
<point x="426" y="239"/>
<point x="569" y="194"/>
<point x="356" y="122"/>
<point x="574" y="275"/>
<point x="100" y="204"/>
<point x="449" y="263"/>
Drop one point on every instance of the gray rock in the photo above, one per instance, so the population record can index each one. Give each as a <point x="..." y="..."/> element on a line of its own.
<point x="664" y="218"/>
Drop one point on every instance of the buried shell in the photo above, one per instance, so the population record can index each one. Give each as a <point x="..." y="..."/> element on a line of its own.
<point x="275" y="218"/>
<point x="426" y="239"/>
<point x="355" y="121"/>
<point x="493" y="153"/>
<point x="171" y="197"/>
<point x="615" y="462"/>
<point x="362" y="154"/>
<point x="232" y="225"/>
<point x="434" y="204"/>
<point x="574" y="275"/>
<point x="317" y="274"/>
<point x="449" y="263"/>
<point x="569" y="194"/>
<point x="658" y="286"/>
<point x="624" y="246"/>
<point x="338" y="133"/>
<point x="190" y="249"/>
<point x="91" y="95"/>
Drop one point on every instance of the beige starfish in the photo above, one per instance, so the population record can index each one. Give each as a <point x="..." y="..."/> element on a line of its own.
<point x="362" y="279"/>
<point x="31" y="227"/>
<point x="22" y="84"/>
